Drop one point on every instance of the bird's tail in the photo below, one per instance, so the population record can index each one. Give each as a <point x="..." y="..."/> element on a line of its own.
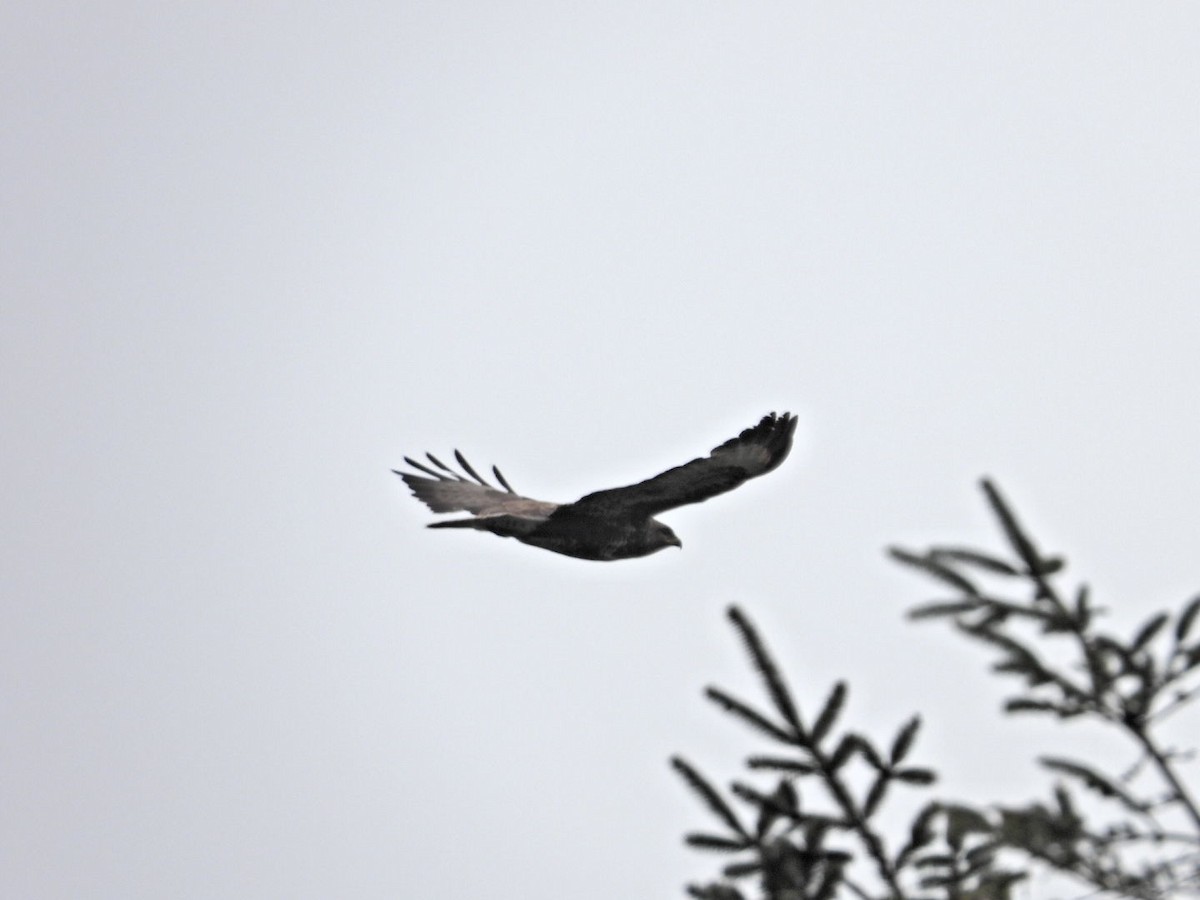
<point x="503" y="525"/>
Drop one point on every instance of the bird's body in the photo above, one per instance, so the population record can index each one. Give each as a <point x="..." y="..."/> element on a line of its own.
<point x="612" y="524"/>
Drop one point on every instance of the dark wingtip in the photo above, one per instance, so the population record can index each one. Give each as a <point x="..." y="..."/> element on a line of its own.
<point x="771" y="426"/>
<point x="447" y="473"/>
<point x="501" y="479"/>
<point x="420" y="467"/>
<point x="775" y="432"/>
<point x="441" y="465"/>
<point x="462" y="461"/>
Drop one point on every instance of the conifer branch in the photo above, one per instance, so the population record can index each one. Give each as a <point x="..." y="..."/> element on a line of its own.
<point x="1066" y="667"/>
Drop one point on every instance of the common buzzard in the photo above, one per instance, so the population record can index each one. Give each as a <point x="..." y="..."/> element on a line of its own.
<point x="614" y="524"/>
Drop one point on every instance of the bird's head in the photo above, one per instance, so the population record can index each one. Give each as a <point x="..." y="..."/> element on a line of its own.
<point x="662" y="536"/>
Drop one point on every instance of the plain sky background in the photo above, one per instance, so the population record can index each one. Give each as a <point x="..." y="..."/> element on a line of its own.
<point x="253" y="254"/>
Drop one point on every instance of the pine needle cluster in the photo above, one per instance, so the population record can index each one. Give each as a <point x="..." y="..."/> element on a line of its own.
<point x="814" y="833"/>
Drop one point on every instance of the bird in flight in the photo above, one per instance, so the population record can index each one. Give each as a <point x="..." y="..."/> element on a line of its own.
<point x="617" y="523"/>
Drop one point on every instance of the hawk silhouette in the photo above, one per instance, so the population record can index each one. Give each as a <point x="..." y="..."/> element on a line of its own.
<point x="612" y="524"/>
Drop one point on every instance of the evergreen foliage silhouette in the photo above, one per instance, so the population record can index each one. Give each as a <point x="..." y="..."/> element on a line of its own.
<point x="813" y="832"/>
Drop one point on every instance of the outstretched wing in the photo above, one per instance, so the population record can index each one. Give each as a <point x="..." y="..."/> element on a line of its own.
<point x="754" y="452"/>
<point x="448" y="491"/>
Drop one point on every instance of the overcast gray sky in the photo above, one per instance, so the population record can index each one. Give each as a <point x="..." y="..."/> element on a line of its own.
<point x="253" y="254"/>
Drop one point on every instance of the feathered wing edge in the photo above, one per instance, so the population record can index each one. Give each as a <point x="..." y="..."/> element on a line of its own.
<point x="445" y="490"/>
<point x="757" y="450"/>
<point x="773" y="434"/>
<point x="451" y="475"/>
